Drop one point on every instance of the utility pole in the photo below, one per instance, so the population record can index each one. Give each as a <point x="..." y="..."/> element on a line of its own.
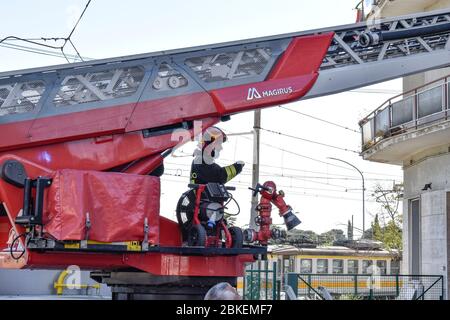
<point x="255" y="171"/>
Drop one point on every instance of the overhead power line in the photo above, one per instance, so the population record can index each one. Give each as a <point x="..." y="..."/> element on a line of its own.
<point x="310" y="158"/>
<point x="322" y="120"/>
<point x="245" y="187"/>
<point x="329" y="176"/>
<point x="44" y="52"/>
<point x="307" y="140"/>
<point x="34" y="41"/>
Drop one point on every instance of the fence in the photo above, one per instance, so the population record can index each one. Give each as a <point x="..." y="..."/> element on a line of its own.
<point x="366" y="287"/>
<point x="411" y="109"/>
<point x="260" y="282"/>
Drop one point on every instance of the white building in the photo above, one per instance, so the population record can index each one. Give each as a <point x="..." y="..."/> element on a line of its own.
<point x="413" y="130"/>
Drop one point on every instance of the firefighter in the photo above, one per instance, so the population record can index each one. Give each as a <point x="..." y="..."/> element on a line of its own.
<point x="204" y="169"/>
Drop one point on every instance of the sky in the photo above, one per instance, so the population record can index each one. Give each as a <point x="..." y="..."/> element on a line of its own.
<point x="325" y="196"/>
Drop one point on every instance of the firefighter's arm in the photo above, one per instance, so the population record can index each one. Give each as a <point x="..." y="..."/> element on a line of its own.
<point x="233" y="170"/>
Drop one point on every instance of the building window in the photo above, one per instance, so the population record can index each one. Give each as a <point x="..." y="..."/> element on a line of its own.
<point x="367" y="266"/>
<point x="381" y="265"/>
<point x="306" y="266"/>
<point x="395" y="267"/>
<point x="352" y="266"/>
<point x="338" y="266"/>
<point x="322" y="265"/>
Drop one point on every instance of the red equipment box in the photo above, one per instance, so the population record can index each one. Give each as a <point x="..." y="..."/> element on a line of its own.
<point x="117" y="205"/>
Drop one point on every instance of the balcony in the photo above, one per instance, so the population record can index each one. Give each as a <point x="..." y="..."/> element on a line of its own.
<point x="392" y="8"/>
<point x="408" y="124"/>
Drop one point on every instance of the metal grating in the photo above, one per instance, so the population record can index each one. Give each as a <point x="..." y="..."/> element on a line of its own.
<point x="230" y="65"/>
<point x="168" y="78"/>
<point x="20" y="97"/>
<point x="345" y="49"/>
<point x="99" y="86"/>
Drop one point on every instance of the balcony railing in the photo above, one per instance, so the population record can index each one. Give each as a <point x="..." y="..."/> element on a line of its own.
<point x="409" y="110"/>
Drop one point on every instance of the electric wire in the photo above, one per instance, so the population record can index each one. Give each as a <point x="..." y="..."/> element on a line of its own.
<point x="322" y="120"/>
<point x="311" y="158"/>
<point x="34" y="41"/>
<point x="243" y="186"/>
<point x="306" y="140"/>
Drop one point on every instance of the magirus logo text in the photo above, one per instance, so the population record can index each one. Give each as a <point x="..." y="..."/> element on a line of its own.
<point x="253" y="93"/>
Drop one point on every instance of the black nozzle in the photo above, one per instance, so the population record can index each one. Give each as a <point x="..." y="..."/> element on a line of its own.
<point x="291" y="220"/>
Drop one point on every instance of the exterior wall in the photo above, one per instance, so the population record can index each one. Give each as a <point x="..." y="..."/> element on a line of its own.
<point x="40" y="282"/>
<point x="426" y="166"/>
<point x="433" y="213"/>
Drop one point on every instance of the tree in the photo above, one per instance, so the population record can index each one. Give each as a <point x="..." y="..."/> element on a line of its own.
<point x="329" y="237"/>
<point x="376" y="229"/>
<point x="389" y="231"/>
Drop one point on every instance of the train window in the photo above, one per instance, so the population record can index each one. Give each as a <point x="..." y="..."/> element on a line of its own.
<point x="352" y="266"/>
<point x="279" y="266"/>
<point x="306" y="266"/>
<point x="338" y="266"/>
<point x="292" y="264"/>
<point x="381" y="265"/>
<point x="367" y="266"/>
<point x="395" y="267"/>
<point x="322" y="265"/>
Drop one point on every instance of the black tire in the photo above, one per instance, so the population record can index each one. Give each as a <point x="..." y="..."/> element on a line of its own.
<point x="185" y="212"/>
<point x="237" y="237"/>
<point x="197" y="236"/>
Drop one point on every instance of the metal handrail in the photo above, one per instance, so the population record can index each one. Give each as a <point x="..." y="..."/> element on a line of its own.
<point x="399" y="283"/>
<point x="387" y="126"/>
<point x="414" y="90"/>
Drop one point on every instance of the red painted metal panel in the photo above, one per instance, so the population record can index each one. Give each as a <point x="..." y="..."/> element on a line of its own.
<point x="88" y="154"/>
<point x="61" y="260"/>
<point x="303" y="56"/>
<point x="170" y="110"/>
<point x="5" y="226"/>
<point x="15" y="134"/>
<point x="93" y="122"/>
<point x="169" y="233"/>
<point x="105" y="121"/>
<point x="176" y="265"/>
<point x="154" y="263"/>
<point x="262" y="94"/>
<point x="290" y="79"/>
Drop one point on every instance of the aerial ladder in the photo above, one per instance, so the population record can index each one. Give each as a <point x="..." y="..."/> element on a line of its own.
<point x="77" y="137"/>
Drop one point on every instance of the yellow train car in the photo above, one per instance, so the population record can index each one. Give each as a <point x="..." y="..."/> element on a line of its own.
<point x="335" y="260"/>
<point x="341" y="270"/>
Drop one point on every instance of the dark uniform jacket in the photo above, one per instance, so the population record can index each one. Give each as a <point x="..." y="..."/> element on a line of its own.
<point x="202" y="173"/>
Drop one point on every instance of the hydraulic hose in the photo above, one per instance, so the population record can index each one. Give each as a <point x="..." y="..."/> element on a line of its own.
<point x="371" y="38"/>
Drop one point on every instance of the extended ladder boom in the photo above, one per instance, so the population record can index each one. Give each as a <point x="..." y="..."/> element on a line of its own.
<point x="389" y="49"/>
<point x="155" y="93"/>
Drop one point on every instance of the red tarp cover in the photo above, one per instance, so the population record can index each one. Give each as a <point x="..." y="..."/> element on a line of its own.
<point x="117" y="205"/>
